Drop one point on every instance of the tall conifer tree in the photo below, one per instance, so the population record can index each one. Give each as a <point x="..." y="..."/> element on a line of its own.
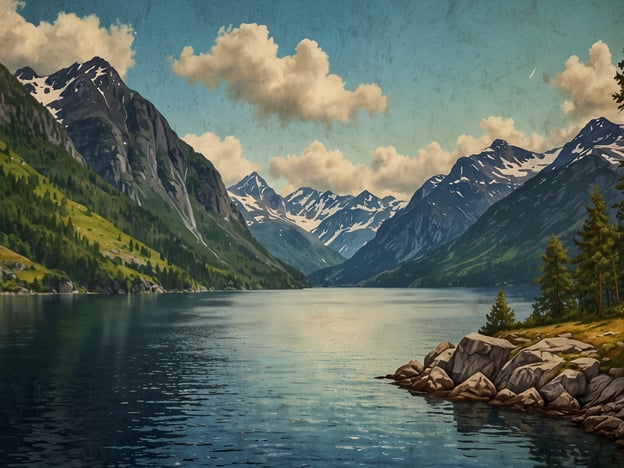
<point x="595" y="241"/>
<point x="556" y="283"/>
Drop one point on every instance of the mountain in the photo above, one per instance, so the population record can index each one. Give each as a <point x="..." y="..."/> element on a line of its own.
<point x="505" y="243"/>
<point x="266" y="215"/>
<point x="343" y="223"/>
<point x="153" y="187"/>
<point x="441" y="210"/>
<point x="124" y="138"/>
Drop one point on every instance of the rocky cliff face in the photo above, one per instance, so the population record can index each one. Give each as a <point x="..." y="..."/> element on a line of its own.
<point x="16" y="105"/>
<point x="124" y="138"/>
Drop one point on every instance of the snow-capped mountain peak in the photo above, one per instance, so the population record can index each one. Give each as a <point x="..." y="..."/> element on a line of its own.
<point x="342" y="222"/>
<point x="599" y="137"/>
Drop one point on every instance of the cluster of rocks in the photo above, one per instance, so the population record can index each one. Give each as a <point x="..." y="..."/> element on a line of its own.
<point x="559" y="376"/>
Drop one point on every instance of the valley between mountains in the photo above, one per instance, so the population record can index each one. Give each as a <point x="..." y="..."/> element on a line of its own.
<point x="100" y="194"/>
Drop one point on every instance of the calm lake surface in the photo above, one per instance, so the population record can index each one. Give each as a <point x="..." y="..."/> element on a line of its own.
<point x="271" y="378"/>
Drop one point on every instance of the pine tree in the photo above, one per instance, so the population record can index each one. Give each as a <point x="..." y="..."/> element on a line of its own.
<point x="595" y="241"/>
<point x="501" y="316"/>
<point x="619" y="77"/>
<point x="556" y="283"/>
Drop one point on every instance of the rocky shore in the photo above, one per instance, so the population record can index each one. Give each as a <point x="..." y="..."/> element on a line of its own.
<point x="559" y="376"/>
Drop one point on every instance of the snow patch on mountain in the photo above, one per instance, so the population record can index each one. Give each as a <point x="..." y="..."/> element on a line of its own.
<point x="342" y="222"/>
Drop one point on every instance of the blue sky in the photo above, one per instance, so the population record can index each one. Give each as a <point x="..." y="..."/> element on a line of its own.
<point x="450" y="76"/>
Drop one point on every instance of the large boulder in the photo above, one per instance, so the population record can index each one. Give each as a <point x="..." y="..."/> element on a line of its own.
<point x="502" y="397"/>
<point x="433" y="380"/>
<point x="569" y="381"/>
<point x="534" y="375"/>
<point x="564" y="402"/>
<point x="478" y="353"/>
<point x="589" y="366"/>
<point x="524" y="358"/>
<point x="477" y="388"/>
<point x="433" y="355"/>
<point x="611" y="392"/>
<point x="595" y="388"/>
<point x="530" y="399"/>
<point x="412" y="369"/>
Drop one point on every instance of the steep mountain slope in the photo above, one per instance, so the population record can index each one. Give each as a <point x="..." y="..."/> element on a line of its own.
<point x="128" y="142"/>
<point x="54" y="243"/>
<point x="505" y="243"/>
<point x="265" y="213"/>
<point x="218" y="253"/>
<point x="441" y="210"/>
<point x="343" y="223"/>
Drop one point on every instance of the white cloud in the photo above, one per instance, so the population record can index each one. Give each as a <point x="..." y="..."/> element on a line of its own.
<point x="389" y="172"/>
<point x="47" y="47"/>
<point x="589" y="85"/>
<point x="226" y="155"/>
<point x="293" y="87"/>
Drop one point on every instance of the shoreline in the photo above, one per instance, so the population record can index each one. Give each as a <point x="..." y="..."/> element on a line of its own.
<point x="558" y="376"/>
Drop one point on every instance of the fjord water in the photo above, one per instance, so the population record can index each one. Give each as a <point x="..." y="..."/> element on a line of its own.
<point x="273" y="378"/>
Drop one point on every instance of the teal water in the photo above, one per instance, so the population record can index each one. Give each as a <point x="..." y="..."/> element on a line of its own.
<point x="272" y="378"/>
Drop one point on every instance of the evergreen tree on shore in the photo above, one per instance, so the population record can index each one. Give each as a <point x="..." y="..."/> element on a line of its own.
<point x="501" y="316"/>
<point x="594" y="273"/>
<point x="556" y="283"/>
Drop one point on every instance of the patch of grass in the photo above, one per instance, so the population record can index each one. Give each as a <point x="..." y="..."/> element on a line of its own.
<point x="607" y="336"/>
<point x="33" y="271"/>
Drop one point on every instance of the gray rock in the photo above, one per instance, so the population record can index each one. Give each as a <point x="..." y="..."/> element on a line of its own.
<point x="534" y="375"/>
<point x="65" y="287"/>
<point x="564" y="402"/>
<point x="478" y="353"/>
<point x="615" y="372"/>
<point x="433" y="380"/>
<point x="611" y="392"/>
<point x="562" y="345"/>
<point x="442" y="360"/>
<point x="611" y="423"/>
<point x="595" y="388"/>
<point x="502" y="397"/>
<point x="589" y="366"/>
<point x="477" y="388"/>
<point x="523" y="358"/>
<point x="528" y="399"/>
<point x="412" y="369"/>
<point x="591" y="422"/>
<point x="432" y="355"/>
<point x="569" y="381"/>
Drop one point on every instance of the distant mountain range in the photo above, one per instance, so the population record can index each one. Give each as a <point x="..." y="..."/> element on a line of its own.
<point x="149" y="210"/>
<point x="503" y="246"/>
<point x="441" y="210"/>
<point x="310" y="229"/>
<point x="176" y="202"/>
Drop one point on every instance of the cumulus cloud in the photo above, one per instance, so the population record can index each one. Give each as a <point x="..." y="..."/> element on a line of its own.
<point x="294" y="87"/>
<point x="226" y="155"/>
<point x="46" y="47"/>
<point x="589" y="85"/>
<point x="320" y="168"/>
<point x="388" y="172"/>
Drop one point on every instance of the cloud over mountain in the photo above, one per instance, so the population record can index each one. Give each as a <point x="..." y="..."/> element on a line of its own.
<point x="589" y="84"/>
<point x="389" y="172"/>
<point x="226" y="155"/>
<point x="294" y="87"/>
<point x="48" y="46"/>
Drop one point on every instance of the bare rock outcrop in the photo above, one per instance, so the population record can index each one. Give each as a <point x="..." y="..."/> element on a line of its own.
<point x="478" y="353"/>
<point x="540" y="377"/>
